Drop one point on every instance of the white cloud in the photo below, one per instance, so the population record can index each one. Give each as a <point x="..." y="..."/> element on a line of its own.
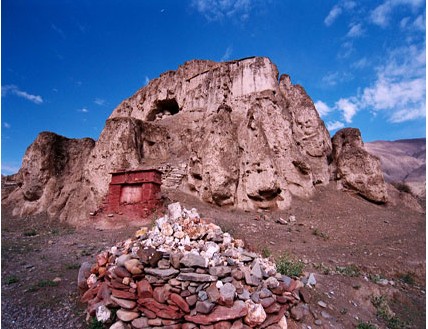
<point x="330" y="79"/>
<point x="216" y="10"/>
<point x="387" y="94"/>
<point x="58" y="30"/>
<point x="348" y="107"/>
<point x="333" y="78"/>
<point x="356" y="30"/>
<point x="418" y="24"/>
<point x="227" y="53"/>
<point x="6" y="125"/>
<point x="12" y="89"/>
<point x="83" y="110"/>
<point x="8" y="169"/>
<point x="146" y="80"/>
<point x="408" y="114"/>
<point x="346" y="49"/>
<point x="334" y="125"/>
<point x="322" y="108"/>
<point x="334" y="13"/>
<point x="361" y="63"/>
<point x="399" y="88"/>
<point x="100" y="101"/>
<point x="337" y="10"/>
<point x="381" y="15"/>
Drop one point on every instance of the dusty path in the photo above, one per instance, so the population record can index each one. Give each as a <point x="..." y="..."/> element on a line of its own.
<point x="363" y="255"/>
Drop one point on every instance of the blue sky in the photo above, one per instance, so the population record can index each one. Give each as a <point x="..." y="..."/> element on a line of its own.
<point x="67" y="64"/>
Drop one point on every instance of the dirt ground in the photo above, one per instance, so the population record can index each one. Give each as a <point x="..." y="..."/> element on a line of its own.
<point x="368" y="260"/>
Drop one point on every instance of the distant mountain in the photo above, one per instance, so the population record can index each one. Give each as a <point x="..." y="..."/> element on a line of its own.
<point x="403" y="161"/>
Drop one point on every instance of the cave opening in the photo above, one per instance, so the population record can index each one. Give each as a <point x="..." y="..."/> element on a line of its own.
<point x="163" y="108"/>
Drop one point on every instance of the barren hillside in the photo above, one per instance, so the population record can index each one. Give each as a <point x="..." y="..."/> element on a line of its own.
<point x="403" y="161"/>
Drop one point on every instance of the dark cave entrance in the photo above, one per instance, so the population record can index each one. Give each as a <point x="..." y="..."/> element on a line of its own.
<point x="163" y="108"/>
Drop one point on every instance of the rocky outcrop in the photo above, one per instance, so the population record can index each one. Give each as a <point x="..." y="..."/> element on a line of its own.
<point x="355" y="168"/>
<point x="51" y="174"/>
<point x="230" y="133"/>
<point x="249" y="141"/>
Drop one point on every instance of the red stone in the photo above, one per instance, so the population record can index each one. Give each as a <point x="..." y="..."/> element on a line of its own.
<point x="191" y="300"/>
<point x="104" y="291"/>
<point x="266" y="302"/>
<point x="169" y="313"/>
<point x="213" y="293"/>
<point x="151" y="304"/>
<point x="102" y="258"/>
<point x="161" y="294"/>
<point x="144" y="289"/>
<point x="149" y="314"/>
<point x="222" y="325"/>
<point x="121" y="272"/>
<point x="237" y="324"/>
<point x="123" y="294"/>
<point x="89" y="294"/>
<point x="220" y="313"/>
<point x="180" y="302"/>
<point x="188" y="325"/>
<point x="284" y="299"/>
<point x="118" y="285"/>
<point x="274" y="318"/>
<point x="275" y="307"/>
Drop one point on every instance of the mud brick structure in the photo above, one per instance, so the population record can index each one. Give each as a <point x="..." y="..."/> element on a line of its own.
<point x="134" y="193"/>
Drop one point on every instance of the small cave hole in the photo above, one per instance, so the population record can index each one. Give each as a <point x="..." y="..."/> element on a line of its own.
<point x="163" y="108"/>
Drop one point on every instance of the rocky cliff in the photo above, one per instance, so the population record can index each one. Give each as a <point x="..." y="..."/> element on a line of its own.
<point x="233" y="134"/>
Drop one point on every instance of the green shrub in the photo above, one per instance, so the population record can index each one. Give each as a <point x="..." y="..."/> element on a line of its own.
<point x="12" y="279"/>
<point x="320" y="234"/>
<point x="384" y="312"/>
<point x="408" y="278"/>
<point x="364" y="325"/>
<point x="287" y="266"/>
<point x="30" y="233"/>
<point x="266" y="252"/>
<point x="95" y="324"/>
<point x="349" y="270"/>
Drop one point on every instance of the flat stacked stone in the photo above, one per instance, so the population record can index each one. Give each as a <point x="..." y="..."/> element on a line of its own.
<point x="186" y="273"/>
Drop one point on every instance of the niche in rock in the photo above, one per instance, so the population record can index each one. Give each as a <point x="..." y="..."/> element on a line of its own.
<point x="163" y="108"/>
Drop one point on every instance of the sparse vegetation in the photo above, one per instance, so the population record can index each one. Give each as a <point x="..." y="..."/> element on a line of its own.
<point x="348" y="270"/>
<point x="408" y="278"/>
<point x="266" y="252"/>
<point x="287" y="266"/>
<point x="365" y="325"/>
<point x="95" y="324"/>
<point x="320" y="234"/>
<point x="385" y="313"/>
<point x="74" y="266"/>
<point x="31" y="232"/>
<point x="42" y="284"/>
<point x="227" y="227"/>
<point x="12" y="279"/>
<point x="324" y="269"/>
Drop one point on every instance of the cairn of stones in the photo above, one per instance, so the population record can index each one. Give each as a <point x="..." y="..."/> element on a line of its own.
<point x="186" y="273"/>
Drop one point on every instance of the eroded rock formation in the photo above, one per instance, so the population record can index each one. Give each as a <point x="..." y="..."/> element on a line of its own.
<point x="51" y="175"/>
<point x="231" y="133"/>
<point x="355" y="168"/>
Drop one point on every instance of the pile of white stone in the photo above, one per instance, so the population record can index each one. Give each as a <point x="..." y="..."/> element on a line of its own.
<point x="186" y="273"/>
